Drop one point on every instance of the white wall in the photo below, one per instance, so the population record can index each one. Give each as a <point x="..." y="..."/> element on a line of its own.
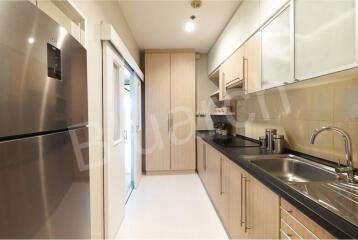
<point x="204" y="88"/>
<point x="96" y="12"/>
<point x="248" y="18"/>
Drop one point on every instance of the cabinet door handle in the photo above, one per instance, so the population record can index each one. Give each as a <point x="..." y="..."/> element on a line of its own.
<point x="241" y="202"/>
<point x="204" y="154"/>
<point x="244" y="73"/>
<point x="221" y="176"/>
<point x="169" y="122"/>
<point x="223" y="85"/>
<point x="125" y="135"/>
<point x="246" y="227"/>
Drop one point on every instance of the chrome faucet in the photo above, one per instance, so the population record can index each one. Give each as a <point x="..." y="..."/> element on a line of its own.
<point x="348" y="147"/>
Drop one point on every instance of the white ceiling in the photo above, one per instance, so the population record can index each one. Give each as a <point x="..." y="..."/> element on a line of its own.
<point x="160" y="23"/>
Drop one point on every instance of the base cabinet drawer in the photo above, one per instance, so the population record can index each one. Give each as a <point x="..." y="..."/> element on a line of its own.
<point x="295" y="224"/>
<point x="287" y="232"/>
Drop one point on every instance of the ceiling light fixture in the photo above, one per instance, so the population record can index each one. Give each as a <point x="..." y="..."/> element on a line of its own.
<point x="190" y="25"/>
<point x="31" y="40"/>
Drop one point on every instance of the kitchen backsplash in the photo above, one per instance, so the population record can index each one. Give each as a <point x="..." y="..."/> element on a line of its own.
<point x="297" y="110"/>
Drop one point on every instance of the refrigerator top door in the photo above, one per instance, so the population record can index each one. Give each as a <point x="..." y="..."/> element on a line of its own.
<point x="43" y="74"/>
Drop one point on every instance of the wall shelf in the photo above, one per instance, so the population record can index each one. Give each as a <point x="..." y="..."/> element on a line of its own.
<point x="215" y="94"/>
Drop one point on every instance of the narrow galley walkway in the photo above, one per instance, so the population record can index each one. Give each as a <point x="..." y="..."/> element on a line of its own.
<point x="171" y="207"/>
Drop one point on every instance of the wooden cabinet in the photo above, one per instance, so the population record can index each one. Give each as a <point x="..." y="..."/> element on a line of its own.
<point x="224" y="193"/>
<point x="213" y="161"/>
<point x="236" y="187"/>
<point x="296" y="225"/>
<point x="222" y="85"/>
<point x="157" y="109"/>
<point x="244" y="66"/>
<point x="170" y="111"/>
<point x="253" y="64"/>
<point x="254" y="209"/>
<point x="233" y="67"/>
<point x="217" y="182"/>
<point x="201" y="159"/>
<point x="182" y="111"/>
<point x="263" y="210"/>
<point x="231" y="72"/>
<point x="246" y="207"/>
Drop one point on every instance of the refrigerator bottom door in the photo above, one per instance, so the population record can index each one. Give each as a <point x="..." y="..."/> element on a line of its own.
<point x="44" y="186"/>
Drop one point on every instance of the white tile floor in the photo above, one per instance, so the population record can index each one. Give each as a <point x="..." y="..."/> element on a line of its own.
<point x="171" y="207"/>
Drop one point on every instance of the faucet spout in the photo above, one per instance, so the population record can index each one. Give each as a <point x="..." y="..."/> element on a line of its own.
<point x="348" y="148"/>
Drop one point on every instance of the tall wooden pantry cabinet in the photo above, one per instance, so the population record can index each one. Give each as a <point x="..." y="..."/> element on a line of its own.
<point x="169" y="111"/>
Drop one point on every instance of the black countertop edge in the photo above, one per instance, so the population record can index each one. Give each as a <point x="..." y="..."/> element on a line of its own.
<point x="336" y="225"/>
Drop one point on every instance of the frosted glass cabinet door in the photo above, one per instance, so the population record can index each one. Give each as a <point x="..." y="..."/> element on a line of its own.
<point x="277" y="51"/>
<point x="325" y="36"/>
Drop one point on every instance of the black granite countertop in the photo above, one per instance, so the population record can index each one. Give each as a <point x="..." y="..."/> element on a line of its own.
<point x="333" y="223"/>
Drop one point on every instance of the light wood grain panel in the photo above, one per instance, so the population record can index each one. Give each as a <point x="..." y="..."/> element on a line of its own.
<point x="296" y="226"/>
<point x="213" y="174"/>
<point x="183" y="111"/>
<point x="224" y="191"/>
<point x="164" y="50"/>
<point x="263" y="211"/>
<point x="288" y="232"/>
<point x="200" y="159"/>
<point x="253" y="63"/>
<point x="157" y="108"/>
<point x="234" y="66"/>
<point x="236" y="229"/>
<point x="302" y="224"/>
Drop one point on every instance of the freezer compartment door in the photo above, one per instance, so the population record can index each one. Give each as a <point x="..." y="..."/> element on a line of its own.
<point x="44" y="186"/>
<point x="43" y="74"/>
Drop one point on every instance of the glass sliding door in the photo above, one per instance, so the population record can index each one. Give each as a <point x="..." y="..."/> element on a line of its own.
<point x="127" y="115"/>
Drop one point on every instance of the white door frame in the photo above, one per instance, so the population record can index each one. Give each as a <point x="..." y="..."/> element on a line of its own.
<point x="137" y="131"/>
<point x="114" y="171"/>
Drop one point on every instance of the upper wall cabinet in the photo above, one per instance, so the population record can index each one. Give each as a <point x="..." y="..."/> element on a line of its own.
<point x="233" y="67"/>
<point x="325" y="37"/>
<point x="253" y="64"/>
<point x="277" y="50"/>
<point x="268" y="8"/>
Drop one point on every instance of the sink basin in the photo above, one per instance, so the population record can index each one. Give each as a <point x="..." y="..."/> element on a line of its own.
<point x="290" y="168"/>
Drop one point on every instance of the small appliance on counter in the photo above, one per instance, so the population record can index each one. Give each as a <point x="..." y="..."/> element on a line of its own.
<point x="272" y="142"/>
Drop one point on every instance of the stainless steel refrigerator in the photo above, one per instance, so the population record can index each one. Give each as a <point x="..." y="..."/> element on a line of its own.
<point x="44" y="174"/>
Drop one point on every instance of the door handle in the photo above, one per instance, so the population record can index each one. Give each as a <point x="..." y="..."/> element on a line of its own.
<point x="204" y="154"/>
<point x="241" y="202"/>
<point x="246" y="227"/>
<point x="168" y="122"/>
<point x="171" y="121"/>
<point x="224" y="86"/>
<point x="221" y="176"/>
<point x="244" y="73"/>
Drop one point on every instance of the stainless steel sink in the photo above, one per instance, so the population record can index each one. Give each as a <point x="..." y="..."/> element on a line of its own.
<point x="293" y="169"/>
<point x="316" y="181"/>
